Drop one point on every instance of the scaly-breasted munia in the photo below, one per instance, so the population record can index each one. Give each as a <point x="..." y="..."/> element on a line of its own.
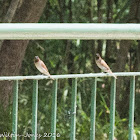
<point x="103" y="65"/>
<point x="41" y="66"/>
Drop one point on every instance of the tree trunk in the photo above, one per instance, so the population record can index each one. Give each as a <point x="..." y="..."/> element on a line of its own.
<point x="70" y="57"/>
<point x="91" y="43"/>
<point x="99" y="15"/>
<point x="137" y="61"/>
<point x="120" y="67"/>
<point x="10" y="14"/>
<point x="109" y="47"/>
<point x="12" y="52"/>
<point x="134" y="16"/>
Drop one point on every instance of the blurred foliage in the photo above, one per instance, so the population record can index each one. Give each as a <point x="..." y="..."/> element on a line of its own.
<point x="73" y="56"/>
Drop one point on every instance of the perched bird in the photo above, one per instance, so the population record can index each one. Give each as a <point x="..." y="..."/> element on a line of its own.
<point x="41" y="66"/>
<point x="103" y="65"/>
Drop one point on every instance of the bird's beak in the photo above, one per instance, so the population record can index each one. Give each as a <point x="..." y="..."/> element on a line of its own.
<point x="97" y="54"/>
<point x="36" y="57"/>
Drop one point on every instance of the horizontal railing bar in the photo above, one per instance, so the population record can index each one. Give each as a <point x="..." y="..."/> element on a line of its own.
<point x="38" y="77"/>
<point x="69" y="31"/>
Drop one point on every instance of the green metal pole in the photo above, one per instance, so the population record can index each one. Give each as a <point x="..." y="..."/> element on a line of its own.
<point x="131" y="107"/>
<point x="54" y="110"/>
<point x="34" y="109"/>
<point x="112" y="108"/>
<point x="73" y="109"/>
<point x="15" y="111"/>
<point x="93" y="109"/>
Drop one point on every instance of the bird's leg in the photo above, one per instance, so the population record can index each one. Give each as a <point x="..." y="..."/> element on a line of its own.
<point x="103" y="72"/>
<point x="107" y="73"/>
<point x="51" y="77"/>
<point x="39" y="74"/>
<point x="42" y="74"/>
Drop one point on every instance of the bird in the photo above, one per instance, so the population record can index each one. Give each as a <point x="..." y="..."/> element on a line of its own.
<point x="41" y="66"/>
<point x="103" y="65"/>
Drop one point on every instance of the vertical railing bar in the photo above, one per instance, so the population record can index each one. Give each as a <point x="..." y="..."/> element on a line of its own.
<point x="15" y="111"/>
<point x="93" y="109"/>
<point x="73" y="109"/>
<point x="54" y="111"/>
<point x="112" y="108"/>
<point x="131" y="107"/>
<point x="34" y="109"/>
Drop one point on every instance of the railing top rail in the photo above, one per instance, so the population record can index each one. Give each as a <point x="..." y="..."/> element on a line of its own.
<point x="39" y="77"/>
<point x="69" y="31"/>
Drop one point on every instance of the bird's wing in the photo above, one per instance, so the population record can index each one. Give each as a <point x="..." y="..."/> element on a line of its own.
<point x="44" y="66"/>
<point x="104" y="64"/>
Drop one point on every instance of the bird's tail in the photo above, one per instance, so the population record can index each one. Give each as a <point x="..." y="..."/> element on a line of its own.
<point x="51" y="77"/>
<point x="112" y="74"/>
<point x="48" y="74"/>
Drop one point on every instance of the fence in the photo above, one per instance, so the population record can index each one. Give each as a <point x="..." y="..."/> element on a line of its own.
<point x="73" y="103"/>
<point x="71" y="31"/>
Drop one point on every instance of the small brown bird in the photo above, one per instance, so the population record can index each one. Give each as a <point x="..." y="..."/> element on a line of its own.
<point x="103" y="65"/>
<point x="41" y="66"/>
